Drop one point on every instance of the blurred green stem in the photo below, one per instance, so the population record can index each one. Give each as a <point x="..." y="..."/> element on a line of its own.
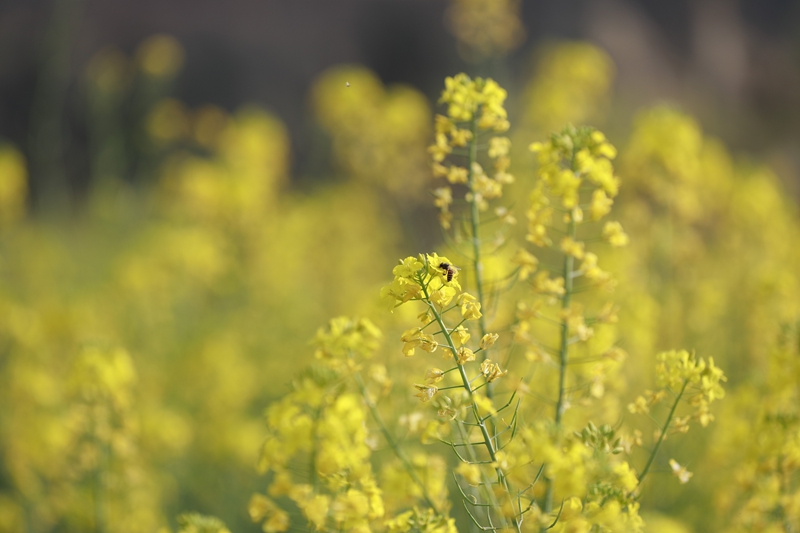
<point x="563" y="352"/>
<point x="663" y="433"/>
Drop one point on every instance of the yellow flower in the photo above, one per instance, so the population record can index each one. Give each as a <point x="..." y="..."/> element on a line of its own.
<point x="639" y="406"/>
<point x="352" y="506"/>
<point x="572" y="247"/>
<point x="471" y="473"/>
<point x="464" y="355"/>
<point x="428" y="344"/>
<point x="590" y="269"/>
<point x="491" y="371"/>
<point x="457" y="174"/>
<point x="460" y="335"/>
<point x="434" y="375"/>
<point x="544" y="284"/>
<point x="470" y="308"/>
<point x="488" y="340"/>
<point x="460" y="137"/>
<point x="601" y="205"/>
<point x="613" y="233"/>
<point x="442" y="124"/>
<point x="316" y="510"/>
<point x="411" y="338"/>
<point x="528" y="263"/>
<point x="499" y="147"/>
<point x="262" y="508"/>
<point x="443" y="197"/>
<point x="401" y="523"/>
<point x="680" y="471"/>
<point x="572" y="508"/>
<point x="626" y="476"/>
<point x="441" y="149"/>
<point x="426" y="392"/>
<point x="443" y="296"/>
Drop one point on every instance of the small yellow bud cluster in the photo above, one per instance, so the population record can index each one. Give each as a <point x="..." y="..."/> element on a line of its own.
<point x="569" y="162"/>
<point x="681" y="371"/>
<point x="473" y="106"/>
<point x="486" y="28"/>
<point x="677" y="367"/>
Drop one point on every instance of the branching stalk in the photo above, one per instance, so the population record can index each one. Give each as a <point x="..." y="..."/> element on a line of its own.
<point x="663" y="433"/>
<point x="487" y="439"/>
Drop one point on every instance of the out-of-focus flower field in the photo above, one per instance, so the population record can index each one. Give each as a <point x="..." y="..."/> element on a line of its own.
<point x="144" y="337"/>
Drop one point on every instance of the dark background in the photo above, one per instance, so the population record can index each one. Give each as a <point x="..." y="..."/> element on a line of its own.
<point x="733" y="64"/>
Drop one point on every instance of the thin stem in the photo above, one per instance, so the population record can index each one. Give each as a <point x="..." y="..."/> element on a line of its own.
<point x="487" y="439"/>
<point x="563" y="352"/>
<point x="566" y="302"/>
<point x="475" y="221"/>
<point x="663" y="433"/>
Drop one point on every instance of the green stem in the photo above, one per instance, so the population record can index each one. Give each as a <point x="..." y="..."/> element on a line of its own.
<point x="477" y="264"/>
<point x="663" y="433"/>
<point x="566" y="302"/>
<point x="373" y="409"/>
<point x="487" y="492"/>
<point x="563" y="354"/>
<point x="487" y="439"/>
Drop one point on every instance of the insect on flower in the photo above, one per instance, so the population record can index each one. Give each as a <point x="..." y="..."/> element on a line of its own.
<point x="450" y="270"/>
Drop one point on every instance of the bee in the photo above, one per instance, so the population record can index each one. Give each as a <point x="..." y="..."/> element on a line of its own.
<point x="449" y="270"/>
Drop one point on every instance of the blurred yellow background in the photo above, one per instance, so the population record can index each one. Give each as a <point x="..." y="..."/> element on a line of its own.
<point x="158" y="298"/>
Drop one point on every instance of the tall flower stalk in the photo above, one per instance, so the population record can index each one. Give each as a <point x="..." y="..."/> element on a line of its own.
<point x="475" y="118"/>
<point x="423" y="279"/>
<point x="575" y="175"/>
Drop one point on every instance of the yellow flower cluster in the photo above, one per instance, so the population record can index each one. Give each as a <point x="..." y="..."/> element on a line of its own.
<point x="575" y="170"/>
<point x="486" y="28"/>
<point x="414" y="275"/>
<point x="685" y="375"/>
<point x="423" y="521"/>
<point x="344" y="339"/>
<point x="425" y="278"/>
<point x="473" y="107"/>
<point x="757" y="446"/>
<point x="331" y="430"/>
<point x="379" y="133"/>
<point x="325" y="426"/>
<point x="571" y="86"/>
<point x="576" y="156"/>
<point x="594" y="483"/>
